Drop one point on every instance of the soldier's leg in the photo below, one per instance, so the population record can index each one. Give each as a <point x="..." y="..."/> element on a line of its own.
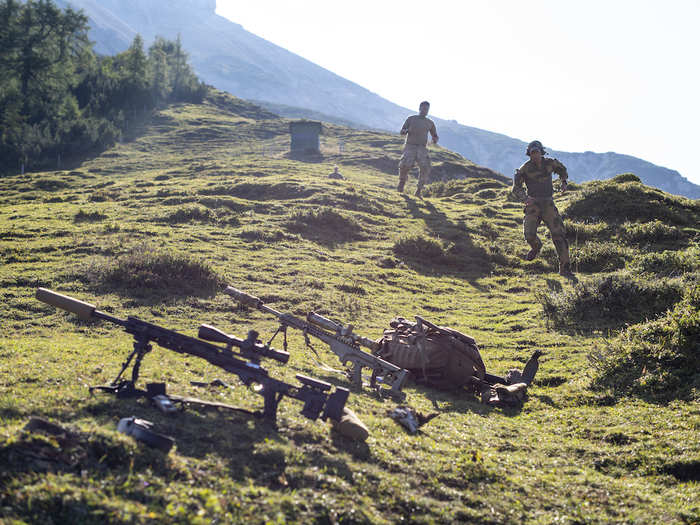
<point x="555" y="224"/>
<point x="408" y="159"/>
<point x="531" y="221"/>
<point x="531" y="367"/>
<point x="424" y="168"/>
<point x="403" y="177"/>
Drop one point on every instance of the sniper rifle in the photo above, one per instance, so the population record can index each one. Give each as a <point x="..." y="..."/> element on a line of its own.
<point x="342" y="341"/>
<point x="316" y="396"/>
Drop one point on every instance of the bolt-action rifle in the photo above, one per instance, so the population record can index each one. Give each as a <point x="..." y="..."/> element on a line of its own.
<point x="316" y="396"/>
<point x="342" y="341"/>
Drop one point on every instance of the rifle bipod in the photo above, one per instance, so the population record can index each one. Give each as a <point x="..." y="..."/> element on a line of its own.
<point x="125" y="387"/>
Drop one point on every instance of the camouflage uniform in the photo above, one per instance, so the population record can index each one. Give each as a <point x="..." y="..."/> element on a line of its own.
<point x="415" y="151"/>
<point x="539" y="206"/>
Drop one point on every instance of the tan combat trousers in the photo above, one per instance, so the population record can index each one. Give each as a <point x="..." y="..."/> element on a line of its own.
<point x="414" y="154"/>
<point x="544" y="210"/>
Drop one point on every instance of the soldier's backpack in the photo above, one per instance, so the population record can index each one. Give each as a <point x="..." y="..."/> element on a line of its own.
<point x="436" y="356"/>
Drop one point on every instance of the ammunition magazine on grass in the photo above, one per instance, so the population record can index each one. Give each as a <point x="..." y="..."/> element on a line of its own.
<point x="342" y="342"/>
<point x="316" y="395"/>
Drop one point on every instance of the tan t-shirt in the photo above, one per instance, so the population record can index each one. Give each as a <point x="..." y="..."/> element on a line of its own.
<point x="418" y="128"/>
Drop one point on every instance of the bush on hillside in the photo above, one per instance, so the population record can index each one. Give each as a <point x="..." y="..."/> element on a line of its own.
<point x="486" y="194"/>
<point x="579" y="232"/>
<point x="594" y="257"/>
<point x="325" y="224"/>
<point x="419" y="246"/>
<point x="195" y="213"/>
<point x="147" y="270"/>
<point x="649" y="232"/>
<point x="631" y="201"/>
<point x="266" y="235"/>
<point x="84" y="216"/>
<point x="660" y="359"/>
<point x="608" y="302"/>
<point x="668" y="263"/>
<point x="625" y="177"/>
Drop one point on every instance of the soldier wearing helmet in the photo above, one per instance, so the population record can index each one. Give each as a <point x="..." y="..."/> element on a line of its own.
<point x="537" y="174"/>
<point x="416" y="129"/>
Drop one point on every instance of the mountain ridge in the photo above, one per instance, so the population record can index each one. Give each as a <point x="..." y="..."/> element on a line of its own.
<point x="227" y="56"/>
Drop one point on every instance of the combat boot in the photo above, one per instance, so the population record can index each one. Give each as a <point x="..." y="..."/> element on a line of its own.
<point x="565" y="270"/>
<point x="418" y="190"/>
<point x="535" y="247"/>
<point x="401" y="185"/>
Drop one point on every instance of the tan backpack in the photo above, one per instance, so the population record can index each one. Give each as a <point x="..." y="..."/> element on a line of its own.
<point x="436" y="356"/>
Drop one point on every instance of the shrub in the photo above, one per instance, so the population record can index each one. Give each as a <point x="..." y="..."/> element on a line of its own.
<point x="146" y="270"/>
<point x="581" y="232"/>
<point x="486" y="229"/>
<point x="668" y="263"/>
<point x="659" y="359"/>
<point x="609" y="302"/>
<point x="196" y="213"/>
<point x="190" y="214"/>
<point x="103" y="195"/>
<point x="419" y="246"/>
<point x="325" y="224"/>
<point x="83" y="216"/>
<point x="625" y="177"/>
<point x="597" y="257"/>
<point x="649" y="232"/>
<point x="631" y="201"/>
<point x="485" y="194"/>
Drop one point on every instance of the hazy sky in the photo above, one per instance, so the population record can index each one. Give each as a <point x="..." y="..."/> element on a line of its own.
<point x="612" y="75"/>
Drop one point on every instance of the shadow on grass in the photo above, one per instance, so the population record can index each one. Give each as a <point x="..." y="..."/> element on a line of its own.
<point x="307" y="157"/>
<point x="460" y="258"/>
<point x="251" y="448"/>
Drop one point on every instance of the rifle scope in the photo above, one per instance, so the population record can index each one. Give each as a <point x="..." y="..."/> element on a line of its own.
<point x="250" y="347"/>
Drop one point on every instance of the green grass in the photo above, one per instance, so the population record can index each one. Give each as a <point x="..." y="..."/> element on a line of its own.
<point x="354" y="250"/>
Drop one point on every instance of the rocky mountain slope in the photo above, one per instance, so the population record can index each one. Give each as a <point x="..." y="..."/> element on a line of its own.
<point x="227" y="56"/>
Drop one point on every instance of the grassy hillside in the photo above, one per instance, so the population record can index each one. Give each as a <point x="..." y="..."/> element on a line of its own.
<point x="206" y="195"/>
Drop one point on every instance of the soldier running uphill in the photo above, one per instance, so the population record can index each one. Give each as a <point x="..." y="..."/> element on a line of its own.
<point x="416" y="129"/>
<point x="537" y="174"/>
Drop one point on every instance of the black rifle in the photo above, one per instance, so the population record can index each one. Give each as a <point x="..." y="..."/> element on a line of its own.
<point x="315" y="394"/>
<point x="342" y="341"/>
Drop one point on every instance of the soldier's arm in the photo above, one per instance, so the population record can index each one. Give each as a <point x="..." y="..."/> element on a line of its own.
<point x="404" y="128"/>
<point x="433" y="132"/>
<point x="560" y="170"/>
<point x="518" y="190"/>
